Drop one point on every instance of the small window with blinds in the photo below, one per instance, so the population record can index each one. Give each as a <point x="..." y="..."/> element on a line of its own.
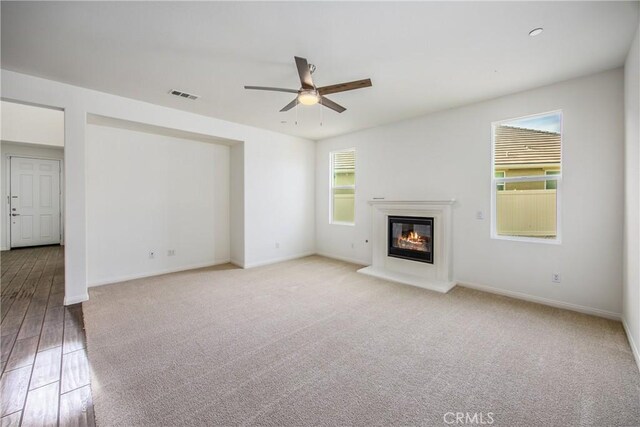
<point x="527" y="177"/>
<point x="343" y="187"/>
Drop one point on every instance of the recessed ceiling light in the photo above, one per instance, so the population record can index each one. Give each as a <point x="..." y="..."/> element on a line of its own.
<point x="535" y="32"/>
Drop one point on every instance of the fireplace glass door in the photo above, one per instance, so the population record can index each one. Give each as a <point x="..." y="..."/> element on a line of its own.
<point x="411" y="238"/>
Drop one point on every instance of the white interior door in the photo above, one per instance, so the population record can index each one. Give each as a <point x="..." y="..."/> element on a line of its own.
<point x="35" y="202"/>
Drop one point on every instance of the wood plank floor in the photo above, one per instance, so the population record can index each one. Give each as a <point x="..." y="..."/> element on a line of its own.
<point x="44" y="369"/>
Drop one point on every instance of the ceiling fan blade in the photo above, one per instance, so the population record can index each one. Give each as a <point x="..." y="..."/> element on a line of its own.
<point x="274" y="89"/>
<point x="290" y="105"/>
<point x="304" y="73"/>
<point x="330" y="104"/>
<point x="343" y="87"/>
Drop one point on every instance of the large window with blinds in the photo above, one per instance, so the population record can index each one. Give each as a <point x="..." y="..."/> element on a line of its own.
<point x="343" y="187"/>
<point x="526" y="178"/>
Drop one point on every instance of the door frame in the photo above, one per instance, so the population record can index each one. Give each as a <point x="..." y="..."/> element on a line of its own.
<point x="7" y="202"/>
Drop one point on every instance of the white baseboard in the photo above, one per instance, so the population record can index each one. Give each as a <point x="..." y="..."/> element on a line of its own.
<point x="156" y="273"/>
<point x="277" y="260"/>
<point x="237" y="263"/>
<point x="513" y="294"/>
<point x="632" y="343"/>
<point x="545" y="301"/>
<point x="76" y="299"/>
<point x="345" y="259"/>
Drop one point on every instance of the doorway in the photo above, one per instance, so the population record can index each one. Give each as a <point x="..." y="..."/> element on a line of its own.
<point x="32" y="158"/>
<point x="38" y="330"/>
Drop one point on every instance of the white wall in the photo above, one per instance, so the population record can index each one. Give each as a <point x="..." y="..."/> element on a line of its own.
<point x="448" y="154"/>
<point x="279" y="200"/>
<point x="27" y="150"/>
<point x="28" y="123"/>
<point x="264" y="151"/>
<point x="149" y="192"/>
<point x="632" y="196"/>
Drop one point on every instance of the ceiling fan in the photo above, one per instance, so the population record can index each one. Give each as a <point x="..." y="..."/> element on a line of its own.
<point x="309" y="94"/>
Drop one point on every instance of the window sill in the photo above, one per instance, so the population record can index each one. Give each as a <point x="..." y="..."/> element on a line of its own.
<point x="556" y="241"/>
<point x="352" y="224"/>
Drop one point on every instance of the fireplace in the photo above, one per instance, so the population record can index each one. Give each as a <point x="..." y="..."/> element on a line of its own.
<point x="411" y="238"/>
<point x="420" y="259"/>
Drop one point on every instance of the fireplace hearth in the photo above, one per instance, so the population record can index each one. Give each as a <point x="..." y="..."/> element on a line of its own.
<point x="410" y="238"/>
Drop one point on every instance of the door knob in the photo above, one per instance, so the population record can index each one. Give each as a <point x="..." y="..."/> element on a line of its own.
<point x="15" y="214"/>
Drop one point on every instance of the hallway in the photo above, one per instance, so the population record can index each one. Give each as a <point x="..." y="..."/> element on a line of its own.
<point x="45" y="372"/>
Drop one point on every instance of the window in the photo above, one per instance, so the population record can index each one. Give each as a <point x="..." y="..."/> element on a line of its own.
<point x="499" y="185"/>
<point x="551" y="185"/>
<point x="526" y="178"/>
<point x="343" y="186"/>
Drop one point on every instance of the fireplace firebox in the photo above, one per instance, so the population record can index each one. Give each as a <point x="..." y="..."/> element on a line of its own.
<point x="411" y="238"/>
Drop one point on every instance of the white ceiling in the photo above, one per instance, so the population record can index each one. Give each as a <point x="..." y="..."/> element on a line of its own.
<point x="421" y="56"/>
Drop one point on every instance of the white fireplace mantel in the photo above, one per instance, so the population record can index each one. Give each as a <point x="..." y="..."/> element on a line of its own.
<point x="436" y="276"/>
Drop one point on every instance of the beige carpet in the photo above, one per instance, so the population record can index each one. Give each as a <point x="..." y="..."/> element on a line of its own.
<point x="311" y="342"/>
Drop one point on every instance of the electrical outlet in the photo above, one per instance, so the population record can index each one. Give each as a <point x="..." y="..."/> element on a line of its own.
<point x="171" y="252"/>
<point x="555" y="277"/>
<point x="479" y="215"/>
<point x="152" y="254"/>
<point x="277" y="245"/>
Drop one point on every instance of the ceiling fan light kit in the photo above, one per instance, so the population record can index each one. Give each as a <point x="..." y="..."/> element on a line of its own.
<point x="308" y="94"/>
<point x="308" y="97"/>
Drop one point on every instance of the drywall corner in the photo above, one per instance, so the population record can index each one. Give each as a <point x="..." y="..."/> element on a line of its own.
<point x="236" y="205"/>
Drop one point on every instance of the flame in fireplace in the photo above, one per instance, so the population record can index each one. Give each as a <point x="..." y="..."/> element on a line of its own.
<point x="413" y="237"/>
<point x="413" y="241"/>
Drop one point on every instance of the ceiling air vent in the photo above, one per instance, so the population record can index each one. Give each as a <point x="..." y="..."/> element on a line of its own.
<point x="183" y="94"/>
